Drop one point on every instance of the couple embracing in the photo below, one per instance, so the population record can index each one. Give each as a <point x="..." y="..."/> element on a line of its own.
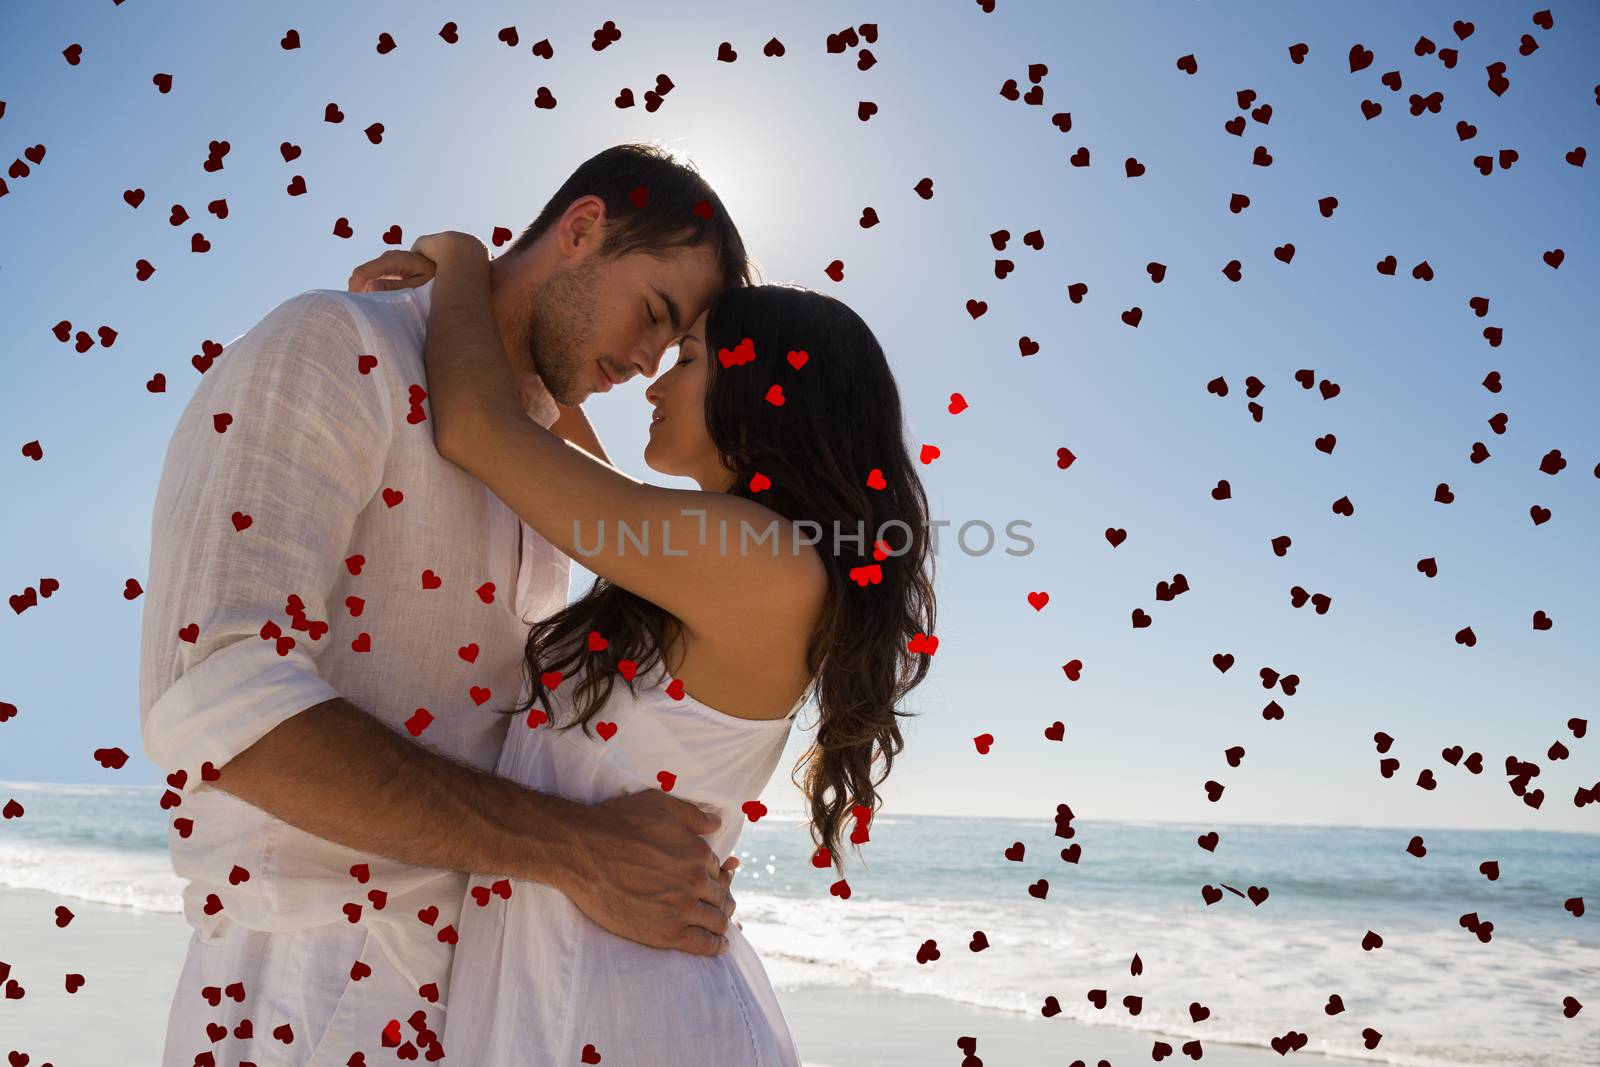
<point x="428" y="807"/>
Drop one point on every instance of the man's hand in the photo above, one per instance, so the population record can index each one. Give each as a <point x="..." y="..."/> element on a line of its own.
<point x="638" y="866"/>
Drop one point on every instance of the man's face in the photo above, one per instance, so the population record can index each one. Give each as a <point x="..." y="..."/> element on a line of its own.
<point x="600" y="314"/>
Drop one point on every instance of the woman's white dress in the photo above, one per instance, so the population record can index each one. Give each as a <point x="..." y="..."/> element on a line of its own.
<point x="535" y="981"/>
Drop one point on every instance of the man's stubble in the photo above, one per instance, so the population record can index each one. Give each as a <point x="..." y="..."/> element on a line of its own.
<point x="560" y="321"/>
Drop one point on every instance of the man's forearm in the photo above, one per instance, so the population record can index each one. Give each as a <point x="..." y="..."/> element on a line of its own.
<point x="335" y="771"/>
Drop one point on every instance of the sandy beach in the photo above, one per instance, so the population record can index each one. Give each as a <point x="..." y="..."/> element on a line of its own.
<point x="131" y="959"/>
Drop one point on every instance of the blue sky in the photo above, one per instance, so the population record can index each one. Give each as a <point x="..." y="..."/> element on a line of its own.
<point x="464" y="148"/>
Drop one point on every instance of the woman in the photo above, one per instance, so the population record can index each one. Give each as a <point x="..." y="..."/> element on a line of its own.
<point x="782" y="408"/>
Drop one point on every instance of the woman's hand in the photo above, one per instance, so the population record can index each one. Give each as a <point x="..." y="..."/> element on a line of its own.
<point x="399" y="269"/>
<point x="395" y="269"/>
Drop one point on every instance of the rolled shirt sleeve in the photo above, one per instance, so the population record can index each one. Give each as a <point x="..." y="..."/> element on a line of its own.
<point x="302" y="457"/>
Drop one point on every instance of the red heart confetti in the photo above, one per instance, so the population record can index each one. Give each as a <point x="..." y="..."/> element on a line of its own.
<point x="1108" y="385"/>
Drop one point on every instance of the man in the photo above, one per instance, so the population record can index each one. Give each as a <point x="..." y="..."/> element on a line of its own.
<point x="329" y="601"/>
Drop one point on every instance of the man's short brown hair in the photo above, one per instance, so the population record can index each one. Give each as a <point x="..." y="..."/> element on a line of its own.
<point x="680" y="208"/>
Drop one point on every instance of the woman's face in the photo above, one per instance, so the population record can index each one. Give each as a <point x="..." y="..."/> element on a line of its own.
<point x="679" y="443"/>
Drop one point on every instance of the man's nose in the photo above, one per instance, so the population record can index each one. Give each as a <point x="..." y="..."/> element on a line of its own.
<point x="650" y="362"/>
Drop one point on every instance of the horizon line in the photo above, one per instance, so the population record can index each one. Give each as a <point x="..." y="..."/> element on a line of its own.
<point x="797" y="814"/>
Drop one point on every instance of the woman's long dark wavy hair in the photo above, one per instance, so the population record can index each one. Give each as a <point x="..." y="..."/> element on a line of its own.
<point x="840" y="422"/>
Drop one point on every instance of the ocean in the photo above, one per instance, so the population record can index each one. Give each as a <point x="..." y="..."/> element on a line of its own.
<point x="1436" y="992"/>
